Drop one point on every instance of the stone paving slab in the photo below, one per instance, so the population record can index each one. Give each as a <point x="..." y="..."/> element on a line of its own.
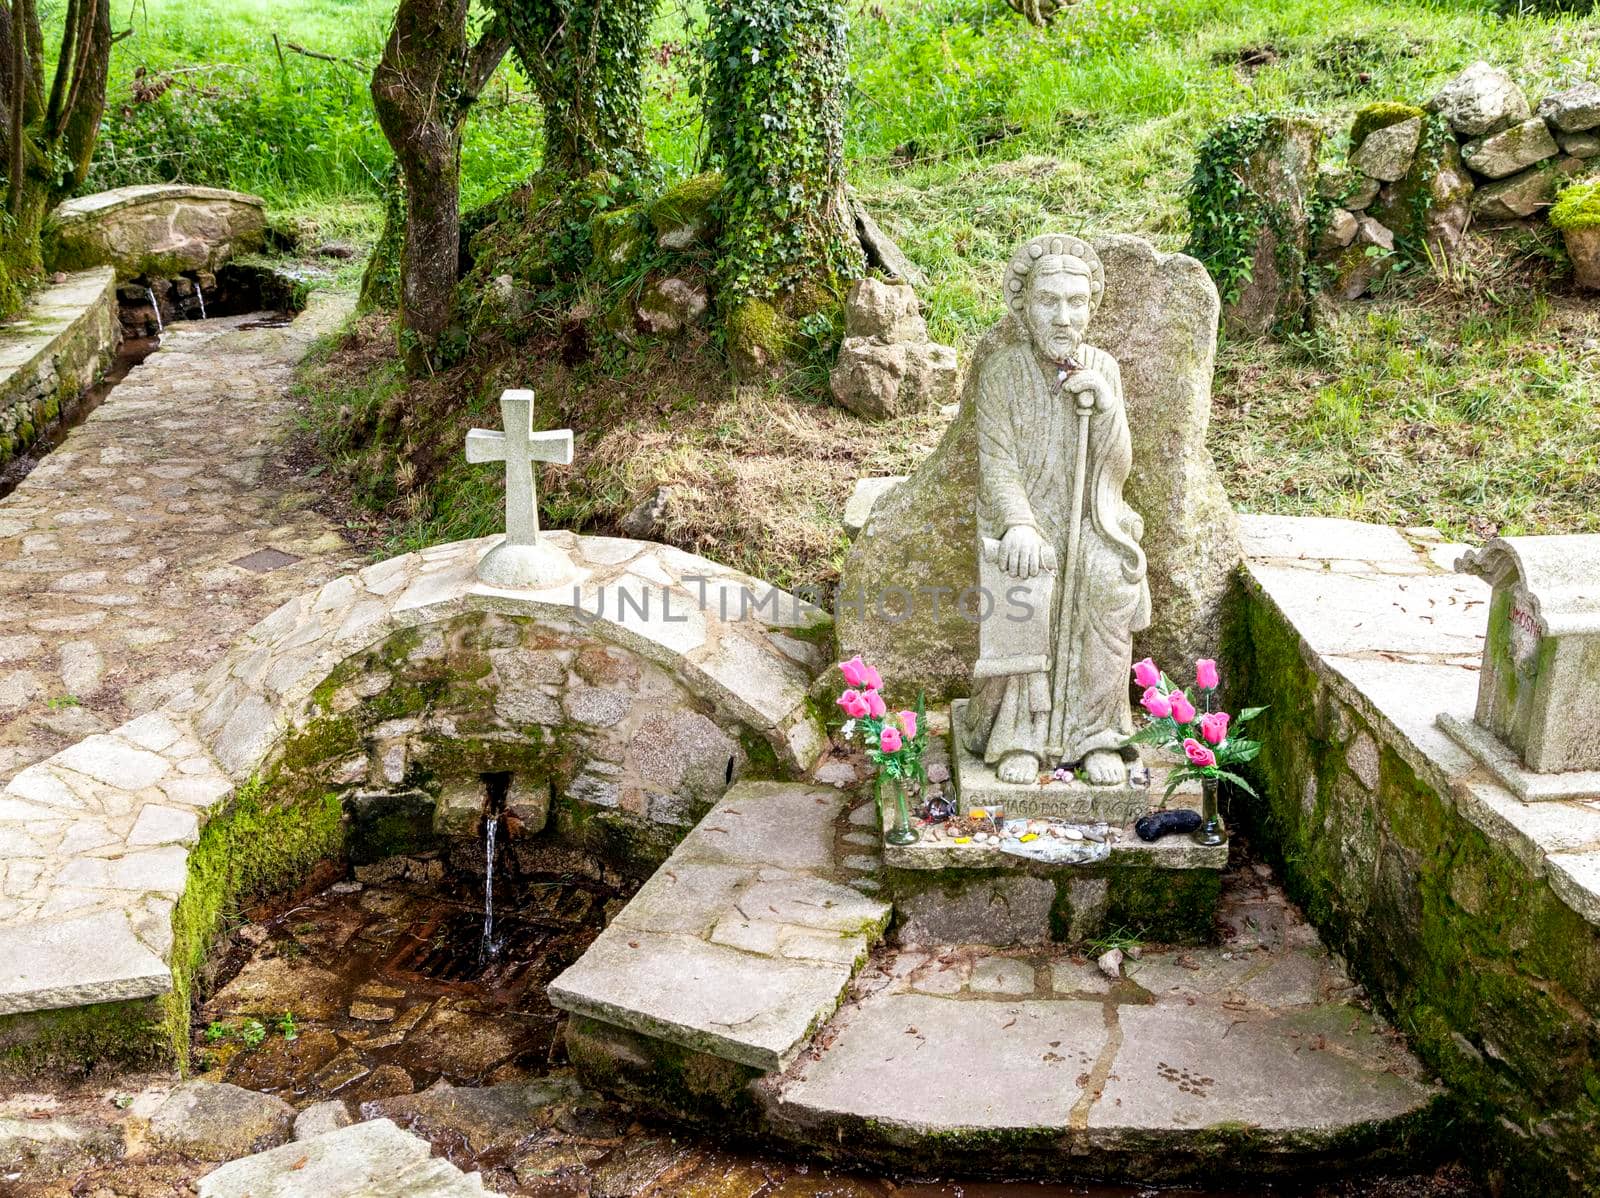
<point x="374" y="1159"/>
<point x="1399" y="637"/>
<point x="743" y="941"/>
<point x="118" y="582"/>
<point x="942" y="1051"/>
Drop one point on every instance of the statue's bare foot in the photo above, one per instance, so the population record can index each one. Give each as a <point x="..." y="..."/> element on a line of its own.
<point x="1018" y="768"/>
<point x="1104" y="767"/>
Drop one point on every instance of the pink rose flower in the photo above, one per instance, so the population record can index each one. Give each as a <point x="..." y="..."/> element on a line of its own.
<point x="1205" y="674"/>
<point x="875" y="704"/>
<point x="855" y="706"/>
<point x="908" y="720"/>
<point x="874" y="681"/>
<point x="1214" y="727"/>
<point x="1182" y="709"/>
<point x="1155" y="702"/>
<point x="889" y="740"/>
<point x="854" y="671"/>
<point x="1146" y="674"/>
<point x="1198" y="753"/>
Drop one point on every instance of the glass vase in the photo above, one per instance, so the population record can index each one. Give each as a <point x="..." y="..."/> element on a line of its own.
<point x="902" y="832"/>
<point x="1210" y="831"/>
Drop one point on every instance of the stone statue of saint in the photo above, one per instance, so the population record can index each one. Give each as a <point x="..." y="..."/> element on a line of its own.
<point x="1054" y="452"/>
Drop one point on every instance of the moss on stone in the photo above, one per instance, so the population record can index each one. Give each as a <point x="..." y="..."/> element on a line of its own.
<point x="686" y="202"/>
<point x="261" y="842"/>
<point x="75" y="1039"/>
<point x="617" y="237"/>
<point x="1493" y="979"/>
<point x="759" y="336"/>
<point x="1578" y="206"/>
<point x="1164" y="905"/>
<point x="1380" y="116"/>
<point x="692" y="1085"/>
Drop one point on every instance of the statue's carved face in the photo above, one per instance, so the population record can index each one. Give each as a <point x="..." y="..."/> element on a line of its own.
<point x="1057" y="308"/>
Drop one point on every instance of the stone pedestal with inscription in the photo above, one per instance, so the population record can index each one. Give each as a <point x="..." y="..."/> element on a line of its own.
<point x="1541" y="667"/>
<point x="954" y="888"/>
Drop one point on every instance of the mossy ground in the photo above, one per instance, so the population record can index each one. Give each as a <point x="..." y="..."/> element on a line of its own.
<point x="1578" y="206"/>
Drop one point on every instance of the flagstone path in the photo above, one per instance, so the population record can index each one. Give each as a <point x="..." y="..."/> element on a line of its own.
<point x="156" y="534"/>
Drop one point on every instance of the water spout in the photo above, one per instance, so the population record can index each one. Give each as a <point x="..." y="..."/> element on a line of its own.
<point x="201" y="292"/>
<point x="490" y="948"/>
<point x="160" y="327"/>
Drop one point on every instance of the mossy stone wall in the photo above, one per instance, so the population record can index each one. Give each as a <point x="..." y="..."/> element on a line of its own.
<point x="1492" y="978"/>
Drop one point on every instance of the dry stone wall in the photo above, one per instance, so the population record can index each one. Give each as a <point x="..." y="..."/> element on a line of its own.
<point x="1477" y="152"/>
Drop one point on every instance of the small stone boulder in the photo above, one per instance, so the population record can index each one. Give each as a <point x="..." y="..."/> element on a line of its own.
<point x="1433" y="203"/>
<point x="485" y="1120"/>
<point x="865" y="497"/>
<point x="1517" y="148"/>
<point x="1482" y="99"/>
<point x="1369" y="257"/>
<point x="648" y="519"/>
<point x="320" y="1118"/>
<point x="1386" y="153"/>
<point x="217" y="1121"/>
<point x="1580" y="145"/>
<point x="42" y="1148"/>
<point x="886" y="312"/>
<point x="1339" y="232"/>
<point x="879" y="381"/>
<point x="1574" y="110"/>
<point x="670" y="305"/>
<point x="1522" y="195"/>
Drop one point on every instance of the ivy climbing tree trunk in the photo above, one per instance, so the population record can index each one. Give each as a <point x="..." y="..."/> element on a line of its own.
<point x="427" y="79"/>
<point x="586" y="61"/>
<point x="46" y="138"/>
<point x="774" y="111"/>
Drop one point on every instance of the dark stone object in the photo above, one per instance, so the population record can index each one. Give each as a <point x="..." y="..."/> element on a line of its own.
<point x="1163" y="823"/>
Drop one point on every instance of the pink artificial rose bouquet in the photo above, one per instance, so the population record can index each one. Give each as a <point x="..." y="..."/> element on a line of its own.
<point x="895" y="741"/>
<point x="1178" y="726"/>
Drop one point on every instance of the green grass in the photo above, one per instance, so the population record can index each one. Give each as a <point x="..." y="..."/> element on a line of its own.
<point x="968" y="130"/>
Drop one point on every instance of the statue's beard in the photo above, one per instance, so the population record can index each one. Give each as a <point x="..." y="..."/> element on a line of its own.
<point x="1058" y="345"/>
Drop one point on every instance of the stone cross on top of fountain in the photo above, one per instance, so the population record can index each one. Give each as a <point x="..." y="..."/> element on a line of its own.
<point x="523" y="560"/>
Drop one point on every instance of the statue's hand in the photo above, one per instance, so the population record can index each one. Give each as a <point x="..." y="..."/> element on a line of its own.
<point x="1092" y="388"/>
<point x="1023" y="552"/>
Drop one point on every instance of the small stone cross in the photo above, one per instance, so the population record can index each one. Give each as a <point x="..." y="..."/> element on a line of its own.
<point x="523" y="559"/>
<point x="519" y="447"/>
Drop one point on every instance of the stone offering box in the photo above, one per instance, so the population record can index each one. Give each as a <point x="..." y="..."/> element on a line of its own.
<point x="978" y="893"/>
<point x="1541" y="664"/>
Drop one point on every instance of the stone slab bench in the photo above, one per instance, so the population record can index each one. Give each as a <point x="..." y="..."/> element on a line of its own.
<point x="1397" y="635"/>
<point x="95" y="840"/>
<point x="156" y="229"/>
<point x="63" y="342"/>
<point x="744" y="942"/>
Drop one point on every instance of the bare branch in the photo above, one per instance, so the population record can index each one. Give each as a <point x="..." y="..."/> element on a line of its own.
<point x="353" y="63"/>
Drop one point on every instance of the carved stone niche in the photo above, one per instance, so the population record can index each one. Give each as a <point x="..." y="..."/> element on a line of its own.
<point x="1534" y="727"/>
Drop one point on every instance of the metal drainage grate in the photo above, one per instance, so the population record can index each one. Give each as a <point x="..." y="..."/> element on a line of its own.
<point x="448" y="948"/>
<point x="264" y="561"/>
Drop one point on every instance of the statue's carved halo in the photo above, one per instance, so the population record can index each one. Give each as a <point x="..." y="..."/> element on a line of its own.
<point x="1052" y="245"/>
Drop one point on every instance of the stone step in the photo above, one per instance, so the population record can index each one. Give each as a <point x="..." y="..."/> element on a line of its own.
<point x="1200" y="1061"/>
<point x="366" y="1160"/>
<point x="744" y="941"/>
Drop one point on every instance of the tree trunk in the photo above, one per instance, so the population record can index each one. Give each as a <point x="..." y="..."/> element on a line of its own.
<point x="774" y="112"/>
<point x="39" y="135"/>
<point x="586" y="61"/>
<point x="421" y="90"/>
